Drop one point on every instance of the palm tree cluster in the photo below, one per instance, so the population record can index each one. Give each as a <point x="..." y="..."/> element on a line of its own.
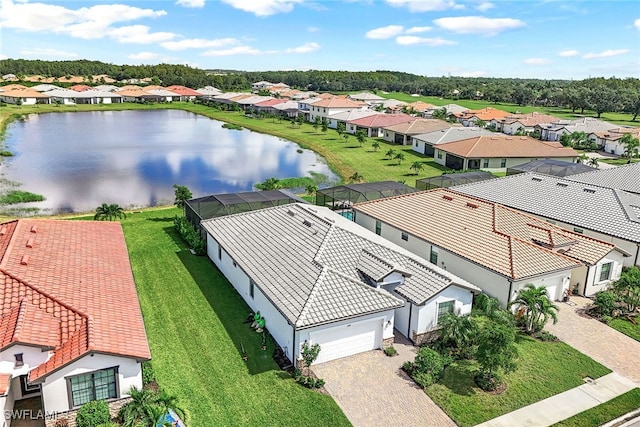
<point x="149" y="408"/>
<point x="533" y="308"/>
<point x="109" y="212"/>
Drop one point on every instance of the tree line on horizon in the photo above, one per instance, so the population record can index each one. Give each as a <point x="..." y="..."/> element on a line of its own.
<point x="599" y="94"/>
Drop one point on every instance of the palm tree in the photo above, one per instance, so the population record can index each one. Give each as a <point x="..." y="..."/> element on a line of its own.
<point x="631" y="145"/>
<point x="534" y="308"/>
<point x="583" y="158"/>
<point x="440" y="114"/>
<point x="417" y="167"/>
<point x="110" y="212"/>
<point x="399" y="157"/>
<point x="390" y="153"/>
<point x="311" y="189"/>
<point x="594" y="162"/>
<point x="356" y="177"/>
<point x="324" y="125"/>
<point x="375" y="145"/>
<point x="457" y="332"/>
<point x="149" y="408"/>
<point x="340" y="128"/>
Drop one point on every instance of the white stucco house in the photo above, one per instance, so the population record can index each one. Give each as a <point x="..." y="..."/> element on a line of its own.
<point x="500" y="249"/>
<point x="68" y="334"/>
<point x="317" y="277"/>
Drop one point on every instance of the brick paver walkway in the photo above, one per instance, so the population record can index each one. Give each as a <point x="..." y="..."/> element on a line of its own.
<point x="372" y="390"/>
<point x="613" y="349"/>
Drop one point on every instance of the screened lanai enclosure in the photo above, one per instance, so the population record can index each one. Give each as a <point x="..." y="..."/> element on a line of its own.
<point x="217" y="205"/>
<point x="550" y="167"/>
<point x="342" y="197"/>
<point x="452" y="179"/>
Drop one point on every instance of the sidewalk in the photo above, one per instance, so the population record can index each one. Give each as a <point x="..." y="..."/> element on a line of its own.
<point x="564" y="405"/>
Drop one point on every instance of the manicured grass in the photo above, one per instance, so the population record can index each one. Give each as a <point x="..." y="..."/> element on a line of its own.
<point x="605" y="412"/>
<point x="619" y="161"/>
<point x="544" y="369"/>
<point x="16" y="196"/>
<point x="194" y="322"/>
<point x="627" y="328"/>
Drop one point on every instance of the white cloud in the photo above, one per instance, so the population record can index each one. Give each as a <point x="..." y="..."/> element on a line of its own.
<point x="636" y="23"/>
<point x="568" y="52"/>
<point x="605" y="53"/>
<point x="313" y="29"/>
<point x="413" y="40"/>
<point x="384" y="32"/>
<point x="478" y="24"/>
<point x="238" y="50"/>
<point x="139" y="34"/>
<point x="425" y="5"/>
<point x="86" y="22"/>
<point x="191" y="3"/>
<point x="263" y="7"/>
<point x="414" y="30"/>
<point x="537" y="61"/>
<point x="305" y="48"/>
<point x="3" y="57"/>
<point x="199" y="43"/>
<point x="144" y="56"/>
<point x="483" y="7"/>
<point x="40" y="52"/>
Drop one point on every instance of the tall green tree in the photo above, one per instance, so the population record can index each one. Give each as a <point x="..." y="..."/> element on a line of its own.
<point x="182" y="194"/>
<point x="417" y="166"/>
<point x="340" y="128"/>
<point x="375" y="145"/>
<point x="361" y="137"/>
<point x="631" y="145"/>
<point x="496" y="354"/>
<point x="109" y="212"/>
<point x="399" y="156"/>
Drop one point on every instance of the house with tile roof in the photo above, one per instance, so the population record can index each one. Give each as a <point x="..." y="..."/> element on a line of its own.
<point x="71" y="328"/>
<point x="607" y="214"/>
<point x="208" y="92"/>
<point x="403" y="133"/>
<point x="498" y="248"/>
<point x="487" y="114"/>
<point x="553" y="131"/>
<point x="513" y="123"/>
<point x="498" y="152"/>
<point x="345" y="116"/>
<point x="367" y="97"/>
<point x="325" y="106"/>
<point x="318" y="277"/>
<point x="424" y="143"/>
<point x="16" y="94"/>
<point x="626" y="178"/>
<point x="186" y="93"/>
<point x="451" y="110"/>
<point x="374" y="125"/>
<point x="610" y="140"/>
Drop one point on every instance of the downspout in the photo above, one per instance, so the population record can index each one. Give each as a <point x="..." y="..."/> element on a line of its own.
<point x="409" y="322"/>
<point x="586" y="279"/>
<point x="637" y="254"/>
<point x="510" y="290"/>
<point x="293" y="350"/>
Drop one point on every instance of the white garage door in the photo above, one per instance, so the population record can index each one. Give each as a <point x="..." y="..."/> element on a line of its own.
<point x="345" y="340"/>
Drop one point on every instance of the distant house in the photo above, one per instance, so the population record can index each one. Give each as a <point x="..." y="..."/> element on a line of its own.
<point x="498" y="152"/>
<point x="70" y="321"/>
<point x="186" y="94"/>
<point x="287" y="109"/>
<point x="317" y="277"/>
<point x="367" y="97"/>
<point x="553" y="131"/>
<point x="45" y="87"/>
<point x="471" y="117"/>
<point x="500" y="249"/>
<point x="208" y="92"/>
<point x="606" y="214"/>
<point x="514" y="123"/>
<point x="374" y="125"/>
<point x="325" y="107"/>
<point x="424" y="143"/>
<point x="346" y="116"/>
<point x="610" y="140"/>
<point x="267" y="106"/>
<point x="403" y="133"/>
<point x="451" y="110"/>
<point x="80" y="88"/>
<point x="22" y="95"/>
<point x="71" y="97"/>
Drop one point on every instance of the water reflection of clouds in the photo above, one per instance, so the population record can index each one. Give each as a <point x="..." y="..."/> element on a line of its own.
<point x="79" y="161"/>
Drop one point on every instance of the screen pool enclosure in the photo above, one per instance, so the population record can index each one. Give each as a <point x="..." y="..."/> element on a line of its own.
<point x="452" y="179"/>
<point x="342" y="197"/>
<point x="550" y="167"/>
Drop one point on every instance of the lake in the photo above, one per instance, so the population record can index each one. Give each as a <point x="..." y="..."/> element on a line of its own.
<point x="133" y="158"/>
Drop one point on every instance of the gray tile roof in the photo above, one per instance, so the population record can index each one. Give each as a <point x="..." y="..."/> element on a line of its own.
<point x="454" y="133"/>
<point x="605" y="210"/>
<point x="625" y="177"/>
<point x="305" y="259"/>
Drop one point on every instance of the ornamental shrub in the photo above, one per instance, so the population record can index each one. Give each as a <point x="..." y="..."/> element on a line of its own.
<point x="93" y="413"/>
<point x="427" y="368"/>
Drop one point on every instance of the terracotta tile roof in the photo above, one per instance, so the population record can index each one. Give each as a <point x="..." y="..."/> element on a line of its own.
<point x="486" y="114"/>
<point x="338" y="102"/>
<point x="420" y="106"/>
<point x="270" y="102"/>
<point x="183" y="90"/>
<point x="5" y="382"/>
<point x="80" y="88"/>
<point x="22" y="93"/>
<point x="68" y="285"/>
<point x="504" y="146"/>
<point x="528" y="119"/>
<point x="382" y="120"/>
<point x="13" y="86"/>
<point x="521" y="245"/>
<point x="420" y="126"/>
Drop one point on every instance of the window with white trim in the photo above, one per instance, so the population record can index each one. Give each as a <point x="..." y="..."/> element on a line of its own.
<point x="96" y="385"/>
<point x="434" y="255"/>
<point x="605" y="271"/>
<point x="444" y="308"/>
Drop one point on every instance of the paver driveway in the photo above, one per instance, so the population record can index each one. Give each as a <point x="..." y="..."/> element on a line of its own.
<point x="372" y="390"/>
<point x="613" y="349"/>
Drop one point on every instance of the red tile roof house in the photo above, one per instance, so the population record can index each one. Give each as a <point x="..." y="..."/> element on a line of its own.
<point x="497" y="152"/>
<point x="70" y="321"/>
<point x="514" y="122"/>
<point x="186" y="94"/>
<point x="403" y="133"/>
<point x="470" y="117"/>
<point x="374" y="125"/>
<point x="324" y="107"/>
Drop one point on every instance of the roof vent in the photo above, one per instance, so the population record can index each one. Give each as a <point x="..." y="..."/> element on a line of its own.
<point x="24" y="260"/>
<point x="472" y="205"/>
<point x="447" y="197"/>
<point x="3" y="231"/>
<point x="307" y="223"/>
<point x="562" y="184"/>
<point x="291" y="213"/>
<point x="590" y="190"/>
<point x="34" y="229"/>
<point x="536" y="179"/>
<point x="30" y="243"/>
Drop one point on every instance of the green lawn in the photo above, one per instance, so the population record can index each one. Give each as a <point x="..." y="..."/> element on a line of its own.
<point x="605" y="412"/>
<point x="619" y="161"/>
<point x="544" y="369"/>
<point x="194" y="324"/>
<point x="626" y="327"/>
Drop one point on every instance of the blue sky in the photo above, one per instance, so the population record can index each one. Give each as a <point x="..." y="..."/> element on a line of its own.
<point x="472" y="38"/>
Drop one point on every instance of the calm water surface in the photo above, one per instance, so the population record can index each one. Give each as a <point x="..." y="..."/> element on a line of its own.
<point x="81" y="160"/>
